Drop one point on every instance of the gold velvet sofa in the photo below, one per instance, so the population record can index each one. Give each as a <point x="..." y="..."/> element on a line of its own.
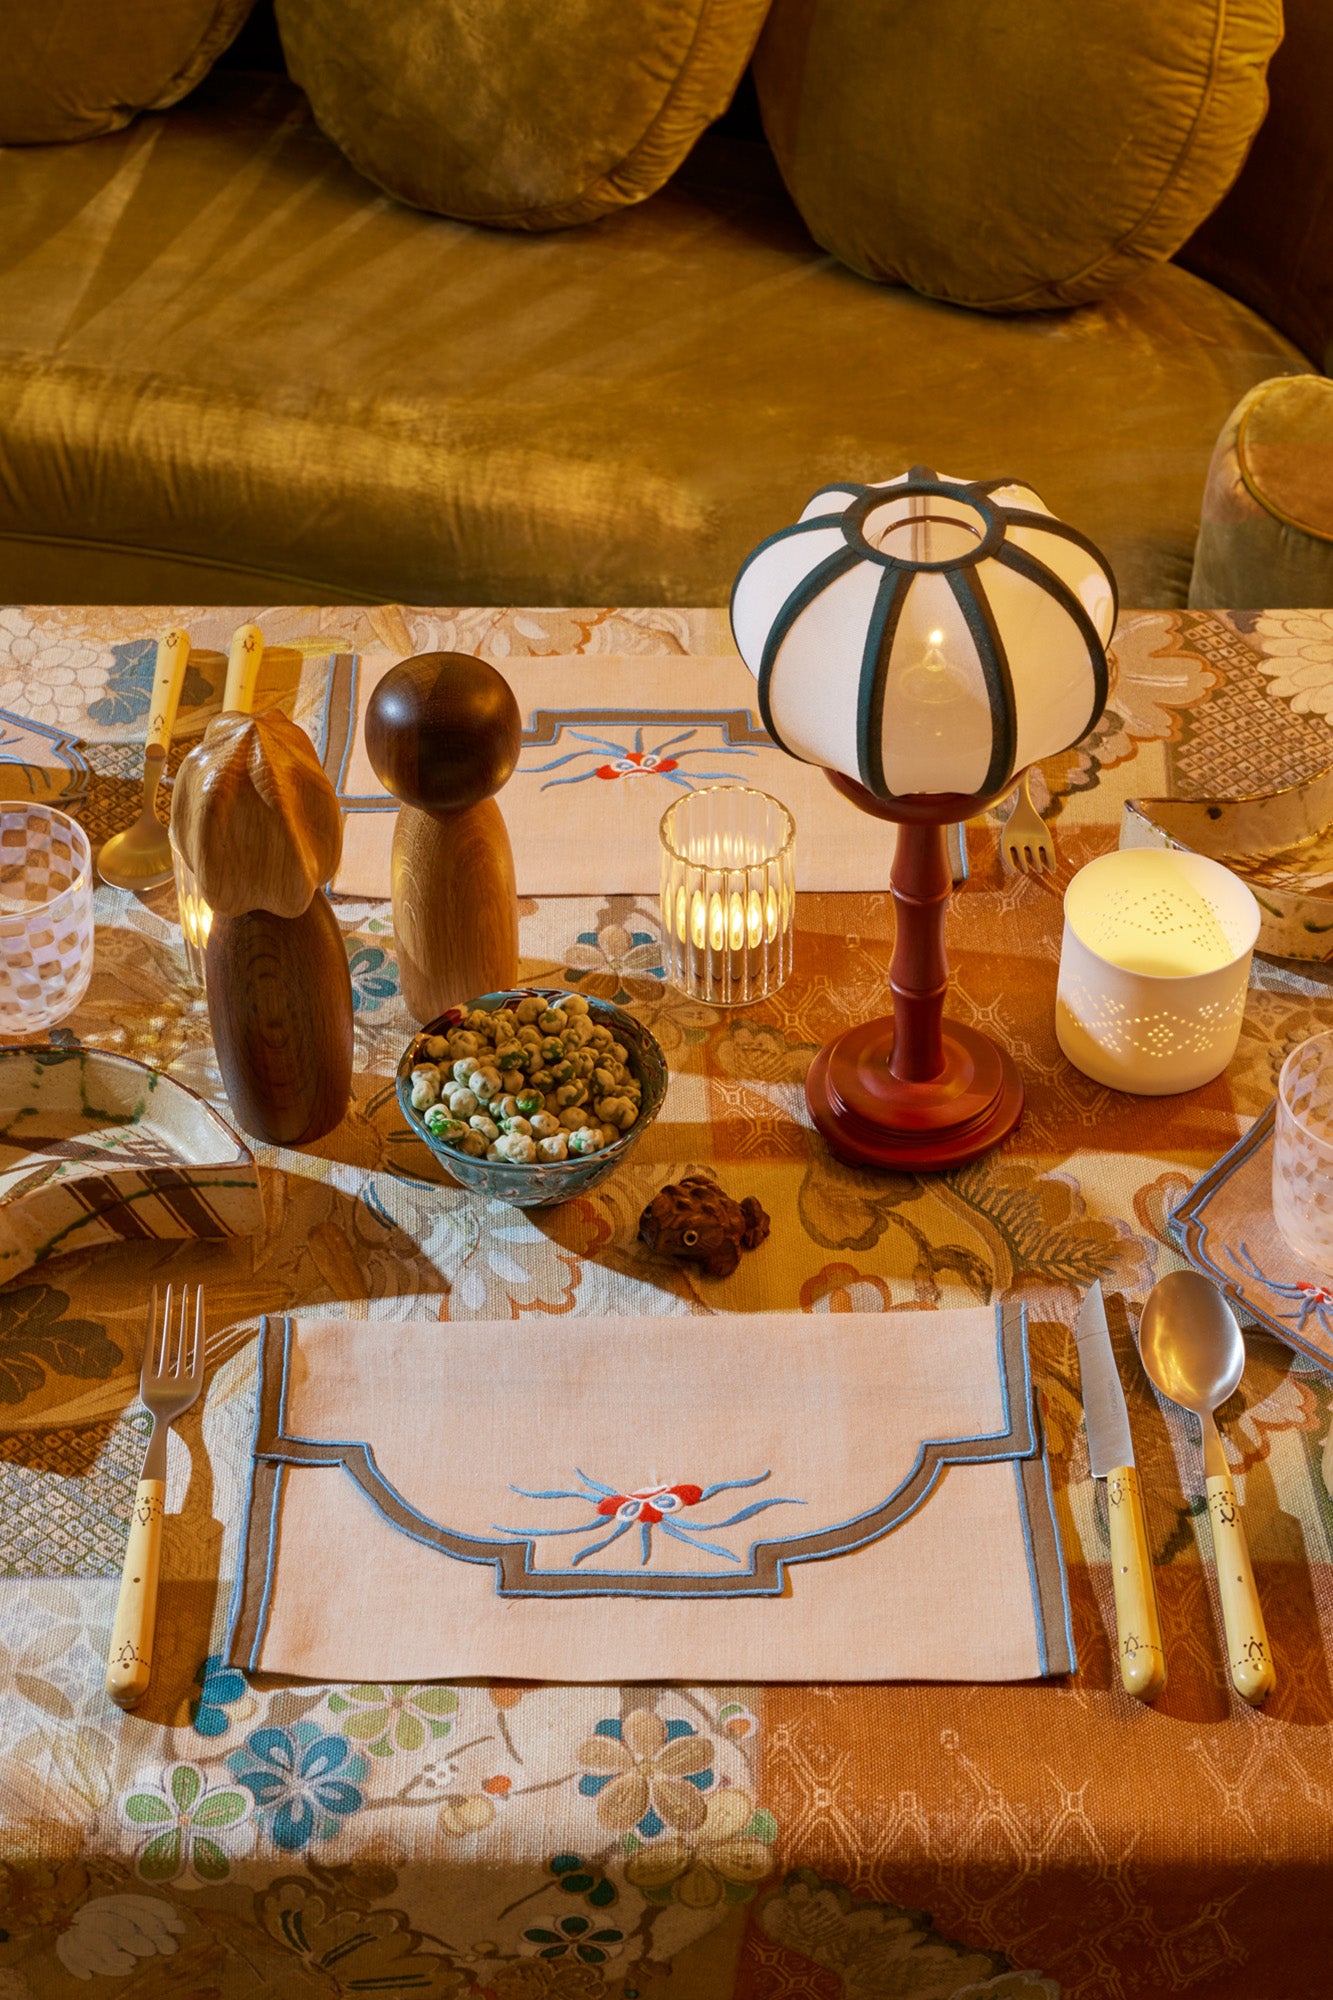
<point x="234" y="370"/>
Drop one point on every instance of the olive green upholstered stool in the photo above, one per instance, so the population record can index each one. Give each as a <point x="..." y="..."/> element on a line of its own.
<point x="1266" y="537"/>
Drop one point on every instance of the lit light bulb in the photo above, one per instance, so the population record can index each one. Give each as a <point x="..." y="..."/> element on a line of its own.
<point x="932" y="680"/>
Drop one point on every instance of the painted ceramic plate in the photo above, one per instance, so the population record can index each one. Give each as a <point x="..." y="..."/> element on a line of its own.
<point x="97" y="1148"/>
<point x="1225" y="1227"/>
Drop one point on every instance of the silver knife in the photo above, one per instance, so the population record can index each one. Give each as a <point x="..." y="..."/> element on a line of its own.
<point x="1111" y="1455"/>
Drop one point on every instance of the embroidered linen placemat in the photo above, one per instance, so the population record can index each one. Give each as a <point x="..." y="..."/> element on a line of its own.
<point x="604" y="733"/>
<point x="1225" y="1227"/>
<point x="761" y="1497"/>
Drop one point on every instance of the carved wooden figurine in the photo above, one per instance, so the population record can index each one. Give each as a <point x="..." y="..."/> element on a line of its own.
<point x="259" y="823"/>
<point x="697" y="1222"/>
<point x="443" y="733"/>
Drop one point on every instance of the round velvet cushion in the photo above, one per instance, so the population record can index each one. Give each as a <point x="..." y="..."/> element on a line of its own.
<point x="73" y="68"/>
<point x="1017" y="154"/>
<point x="527" y="114"/>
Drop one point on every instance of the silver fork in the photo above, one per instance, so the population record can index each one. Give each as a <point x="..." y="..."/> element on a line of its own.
<point x="170" y="1380"/>
<point x="1026" y="841"/>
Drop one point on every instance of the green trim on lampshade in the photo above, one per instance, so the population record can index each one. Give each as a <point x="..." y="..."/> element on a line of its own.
<point x="1025" y="564"/>
<point x="825" y="572"/>
<point x="881" y="632"/>
<point x="768" y="622"/>
<point x="975" y="606"/>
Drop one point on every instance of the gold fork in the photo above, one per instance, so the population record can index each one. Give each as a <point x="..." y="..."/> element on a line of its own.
<point x="1026" y="841"/>
<point x="169" y="1382"/>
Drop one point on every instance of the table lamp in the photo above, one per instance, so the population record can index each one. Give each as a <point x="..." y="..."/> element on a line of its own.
<point x="924" y="639"/>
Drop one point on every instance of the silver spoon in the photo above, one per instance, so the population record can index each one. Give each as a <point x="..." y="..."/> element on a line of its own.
<point x="140" y="857"/>
<point x="1193" y="1351"/>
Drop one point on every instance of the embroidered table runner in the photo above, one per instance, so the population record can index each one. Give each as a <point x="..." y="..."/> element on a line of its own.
<point x="811" y="1497"/>
<point x="624" y="735"/>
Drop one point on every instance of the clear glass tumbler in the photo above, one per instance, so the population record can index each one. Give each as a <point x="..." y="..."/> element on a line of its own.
<point x="196" y="916"/>
<point x="1303" y="1152"/>
<point x="46" y="917"/>
<point x="728" y="894"/>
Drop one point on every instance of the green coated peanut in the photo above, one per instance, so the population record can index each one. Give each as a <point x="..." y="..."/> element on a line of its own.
<point x="440" y="1121"/>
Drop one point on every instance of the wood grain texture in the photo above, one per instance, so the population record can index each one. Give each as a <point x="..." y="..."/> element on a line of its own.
<point x="921" y="885"/>
<point x="280" y="1006"/>
<point x="129" y="1665"/>
<point x="443" y="731"/>
<point x="455" y="907"/>
<point x="918" y="1091"/>
<point x="255" y="816"/>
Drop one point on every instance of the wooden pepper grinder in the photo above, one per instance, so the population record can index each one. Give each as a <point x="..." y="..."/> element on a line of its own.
<point x="443" y="733"/>
<point x="258" y="822"/>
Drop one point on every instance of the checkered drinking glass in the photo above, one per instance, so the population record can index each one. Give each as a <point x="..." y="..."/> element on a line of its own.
<point x="46" y="917"/>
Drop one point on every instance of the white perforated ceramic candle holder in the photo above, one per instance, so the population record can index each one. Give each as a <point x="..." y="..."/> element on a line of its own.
<point x="1154" y="965"/>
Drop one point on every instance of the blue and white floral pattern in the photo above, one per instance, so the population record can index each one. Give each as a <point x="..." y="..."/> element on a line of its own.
<point x="220" y="1688"/>
<point x="304" y="1784"/>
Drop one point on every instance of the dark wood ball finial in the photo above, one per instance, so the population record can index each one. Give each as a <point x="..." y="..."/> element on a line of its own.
<point x="443" y="734"/>
<point x="443" y="731"/>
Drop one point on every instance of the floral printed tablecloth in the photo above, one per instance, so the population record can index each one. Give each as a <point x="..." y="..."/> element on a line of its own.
<point x="525" y="1841"/>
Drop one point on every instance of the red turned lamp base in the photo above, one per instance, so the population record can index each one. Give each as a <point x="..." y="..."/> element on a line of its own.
<point x="871" y="1119"/>
<point x="914" y="1092"/>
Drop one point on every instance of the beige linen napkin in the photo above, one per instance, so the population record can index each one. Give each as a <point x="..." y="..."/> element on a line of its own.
<point x="758" y="1497"/>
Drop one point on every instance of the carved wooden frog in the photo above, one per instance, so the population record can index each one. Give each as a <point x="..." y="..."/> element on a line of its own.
<point x="697" y="1222"/>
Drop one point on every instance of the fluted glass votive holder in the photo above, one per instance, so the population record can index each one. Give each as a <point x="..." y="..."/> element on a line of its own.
<point x="46" y="917"/>
<point x="196" y="917"/>
<point x="728" y="894"/>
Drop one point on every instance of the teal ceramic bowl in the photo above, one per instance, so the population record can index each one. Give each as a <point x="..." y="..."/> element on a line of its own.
<point x="544" y="1183"/>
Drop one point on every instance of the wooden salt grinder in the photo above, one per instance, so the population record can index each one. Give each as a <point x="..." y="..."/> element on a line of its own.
<point x="259" y="823"/>
<point x="443" y="734"/>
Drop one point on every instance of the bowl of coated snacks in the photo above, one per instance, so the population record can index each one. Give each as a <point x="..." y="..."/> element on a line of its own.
<point x="533" y="1095"/>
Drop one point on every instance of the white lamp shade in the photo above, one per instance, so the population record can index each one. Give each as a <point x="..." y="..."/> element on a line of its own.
<point x="926" y="634"/>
